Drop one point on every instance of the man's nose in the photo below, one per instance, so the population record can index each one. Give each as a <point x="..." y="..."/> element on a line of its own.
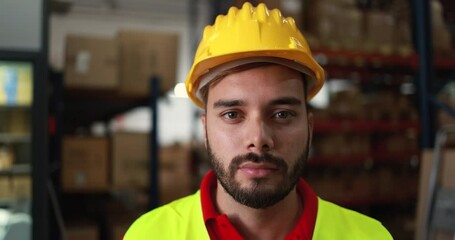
<point x="259" y="136"/>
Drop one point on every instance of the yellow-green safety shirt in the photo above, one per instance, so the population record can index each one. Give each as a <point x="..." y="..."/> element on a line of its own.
<point x="182" y="219"/>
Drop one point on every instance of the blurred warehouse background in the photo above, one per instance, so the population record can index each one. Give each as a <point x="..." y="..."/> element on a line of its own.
<point x="96" y="127"/>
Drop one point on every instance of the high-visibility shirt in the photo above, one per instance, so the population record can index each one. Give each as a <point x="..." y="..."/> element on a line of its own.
<point x="184" y="219"/>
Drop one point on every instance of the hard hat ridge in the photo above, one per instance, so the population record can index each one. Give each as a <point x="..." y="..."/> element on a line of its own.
<point x="255" y="34"/>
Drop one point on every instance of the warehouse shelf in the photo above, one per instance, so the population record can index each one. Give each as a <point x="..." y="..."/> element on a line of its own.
<point x="365" y="126"/>
<point x="30" y="147"/>
<point x="17" y="169"/>
<point x="367" y="66"/>
<point x="361" y="58"/>
<point x="377" y="200"/>
<point x="14" y="138"/>
<point x="444" y="62"/>
<point x="378" y="157"/>
<point x="73" y="108"/>
<point x="358" y="58"/>
<point x="113" y="96"/>
<point x="11" y="107"/>
<point x="365" y="177"/>
<point x="83" y="106"/>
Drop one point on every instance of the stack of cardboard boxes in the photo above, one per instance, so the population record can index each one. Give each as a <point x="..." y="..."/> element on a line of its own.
<point x="119" y="162"/>
<point x="85" y="165"/>
<point x="350" y="107"/>
<point x="16" y="81"/>
<point x="368" y="26"/>
<point x="122" y="162"/>
<point x="17" y="187"/>
<point x="445" y="180"/>
<point x="124" y="64"/>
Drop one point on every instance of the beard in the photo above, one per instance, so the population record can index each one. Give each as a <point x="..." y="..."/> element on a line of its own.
<point x="259" y="194"/>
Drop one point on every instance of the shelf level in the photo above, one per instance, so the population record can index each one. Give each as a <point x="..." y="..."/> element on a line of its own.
<point x="364" y="126"/>
<point x="383" y="200"/>
<point x="14" y="107"/>
<point x="14" y="138"/>
<point x="83" y="107"/>
<point x="360" y="58"/>
<point x="17" y="169"/>
<point x="363" y="158"/>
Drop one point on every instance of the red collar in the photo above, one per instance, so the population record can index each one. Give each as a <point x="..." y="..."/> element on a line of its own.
<point x="219" y="227"/>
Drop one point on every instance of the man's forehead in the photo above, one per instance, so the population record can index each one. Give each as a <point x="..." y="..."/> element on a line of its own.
<point x="237" y="93"/>
<point x="285" y="100"/>
<point x="253" y="78"/>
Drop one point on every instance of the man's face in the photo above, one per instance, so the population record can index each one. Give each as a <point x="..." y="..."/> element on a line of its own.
<point x="257" y="133"/>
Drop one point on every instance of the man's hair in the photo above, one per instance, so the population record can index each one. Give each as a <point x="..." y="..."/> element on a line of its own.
<point x="205" y="90"/>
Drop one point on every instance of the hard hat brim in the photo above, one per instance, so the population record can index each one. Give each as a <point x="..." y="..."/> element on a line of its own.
<point x="203" y="72"/>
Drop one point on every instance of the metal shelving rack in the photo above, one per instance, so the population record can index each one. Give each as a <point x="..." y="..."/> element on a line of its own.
<point x="39" y="128"/>
<point x="423" y="43"/>
<point x="425" y="74"/>
<point x="115" y="106"/>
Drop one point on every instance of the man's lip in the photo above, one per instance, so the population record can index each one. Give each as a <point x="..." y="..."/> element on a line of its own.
<point x="253" y="165"/>
<point x="258" y="170"/>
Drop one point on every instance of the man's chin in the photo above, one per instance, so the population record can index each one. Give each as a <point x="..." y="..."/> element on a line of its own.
<point x="258" y="197"/>
<point x="269" y="182"/>
<point x="263" y="185"/>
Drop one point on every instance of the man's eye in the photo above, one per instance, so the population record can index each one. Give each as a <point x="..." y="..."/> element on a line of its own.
<point x="231" y="115"/>
<point x="282" y="114"/>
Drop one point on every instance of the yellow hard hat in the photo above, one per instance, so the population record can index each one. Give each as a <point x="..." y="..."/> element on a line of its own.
<point x="251" y="34"/>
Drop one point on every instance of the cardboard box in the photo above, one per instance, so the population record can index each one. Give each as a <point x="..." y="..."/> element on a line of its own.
<point x="401" y="142"/>
<point x="18" y="121"/>
<point x="379" y="32"/>
<point x="442" y="38"/>
<point x="6" y="157"/>
<point x="6" y="190"/>
<point x="15" y="121"/>
<point x="447" y="180"/>
<point x="22" y="186"/>
<point x="347" y="104"/>
<point x="15" y="187"/>
<point x="328" y="187"/>
<point x="403" y="37"/>
<point x="175" y="176"/>
<point x="144" y="55"/>
<point x="324" y="18"/>
<point x="131" y="166"/>
<point x="85" y="164"/>
<point x="130" y="160"/>
<point x="91" y="62"/>
<point x="89" y="232"/>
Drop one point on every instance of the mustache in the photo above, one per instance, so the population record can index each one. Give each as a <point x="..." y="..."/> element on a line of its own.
<point x="256" y="158"/>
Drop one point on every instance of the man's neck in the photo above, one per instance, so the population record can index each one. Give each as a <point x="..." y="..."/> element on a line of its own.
<point x="274" y="222"/>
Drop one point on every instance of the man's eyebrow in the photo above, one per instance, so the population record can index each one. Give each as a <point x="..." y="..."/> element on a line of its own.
<point x="228" y="103"/>
<point x="286" y="101"/>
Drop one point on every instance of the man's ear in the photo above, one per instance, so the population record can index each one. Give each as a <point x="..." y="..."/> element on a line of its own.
<point x="203" y="119"/>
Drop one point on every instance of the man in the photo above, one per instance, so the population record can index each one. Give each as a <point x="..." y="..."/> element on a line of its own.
<point x="253" y="74"/>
